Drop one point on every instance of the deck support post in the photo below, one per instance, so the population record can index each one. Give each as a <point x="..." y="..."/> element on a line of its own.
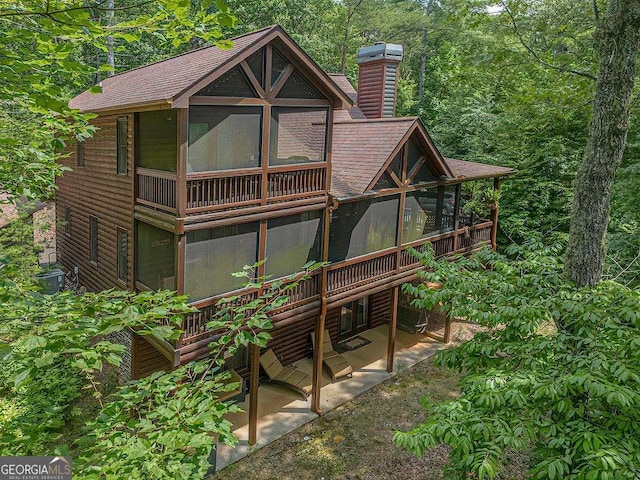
<point x="393" y="321"/>
<point x="494" y="217"/>
<point x="320" y="323"/>
<point x="317" y="365"/>
<point x="253" y="393"/>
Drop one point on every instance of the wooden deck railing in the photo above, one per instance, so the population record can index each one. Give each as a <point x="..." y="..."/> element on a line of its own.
<point x="211" y="190"/>
<point x="302" y="181"/>
<point x="156" y="188"/>
<point x="472" y="237"/>
<point x="195" y="324"/>
<point x="354" y="272"/>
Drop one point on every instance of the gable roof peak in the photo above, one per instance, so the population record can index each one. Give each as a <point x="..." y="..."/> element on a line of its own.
<point x="170" y="82"/>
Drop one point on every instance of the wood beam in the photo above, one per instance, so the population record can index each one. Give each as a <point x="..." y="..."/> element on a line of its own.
<point x="255" y="83"/>
<point x="253" y="393"/>
<point x="282" y="79"/>
<point x="393" y="321"/>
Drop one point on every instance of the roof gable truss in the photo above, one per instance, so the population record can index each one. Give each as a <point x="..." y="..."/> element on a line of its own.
<point x="298" y="66"/>
<point x="408" y="173"/>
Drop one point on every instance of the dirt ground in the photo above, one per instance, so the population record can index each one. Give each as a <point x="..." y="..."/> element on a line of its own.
<point x="355" y="441"/>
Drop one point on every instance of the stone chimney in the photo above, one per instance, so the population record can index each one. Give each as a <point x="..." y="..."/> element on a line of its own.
<point x="378" y="79"/>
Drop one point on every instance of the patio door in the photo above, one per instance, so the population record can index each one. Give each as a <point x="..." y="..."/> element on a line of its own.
<point x="354" y="318"/>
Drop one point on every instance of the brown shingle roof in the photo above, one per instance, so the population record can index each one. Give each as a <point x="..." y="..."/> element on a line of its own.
<point x="345" y="85"/>
<point x="164" y="80"/>
<point x="473" y="170"/>
<point x="360" y="149"/>
<point x="169" y="80"/>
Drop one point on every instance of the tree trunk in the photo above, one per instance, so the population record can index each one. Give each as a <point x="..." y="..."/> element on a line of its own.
<point x="423" y="64"/>
<point x="618" y="40"/>
<point x="111" y="61"/>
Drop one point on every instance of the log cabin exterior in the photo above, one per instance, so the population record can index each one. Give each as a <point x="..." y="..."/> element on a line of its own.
<point x="215" y="159"/>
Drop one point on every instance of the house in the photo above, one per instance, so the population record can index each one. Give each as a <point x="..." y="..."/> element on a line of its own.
<point x="214" y="159"/>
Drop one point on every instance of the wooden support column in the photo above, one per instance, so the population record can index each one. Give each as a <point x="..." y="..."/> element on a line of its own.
<point x="392" y="330"/>
<point x="456" y="214"/>
<point x="317" y="361"/>
<point x="253" y="393"/>
<point x="494" y="217"/>
<point x="181" y="167"/>
<point x="254" y="376"/>
<point x="320" y="324"/>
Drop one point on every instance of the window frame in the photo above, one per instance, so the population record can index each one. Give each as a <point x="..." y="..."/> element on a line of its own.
<point x="67" y="220"/>
<point x="122" y="146"/>
<point x="80" y="153"/>
<point x="122" y="258"/>
<point x="93" y="239"/>
<point x="274" y="133"/>
<point x="238" y="109"/>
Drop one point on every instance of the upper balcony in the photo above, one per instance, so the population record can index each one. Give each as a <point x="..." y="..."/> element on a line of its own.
<point x="235" y="156"/>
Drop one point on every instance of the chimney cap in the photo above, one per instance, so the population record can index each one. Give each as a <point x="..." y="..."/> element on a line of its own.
<point x="378" y="51"/>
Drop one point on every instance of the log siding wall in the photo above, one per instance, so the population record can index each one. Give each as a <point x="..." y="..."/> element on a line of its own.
<point x="97" y="189"/>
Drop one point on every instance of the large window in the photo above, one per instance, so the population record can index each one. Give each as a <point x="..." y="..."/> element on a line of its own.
<point x="155" y="253"/>
<point x="222" y="138"/>
<point x="157" y="140"/>
<point x="362" y="227"/>
<point x="297" y="135"/>
<point x="214" y="254"/>
<point x="122" y="134"/>
<point x="292" y="242"/>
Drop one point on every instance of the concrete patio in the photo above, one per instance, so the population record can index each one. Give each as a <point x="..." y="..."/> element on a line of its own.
<point x="281" y="410"/>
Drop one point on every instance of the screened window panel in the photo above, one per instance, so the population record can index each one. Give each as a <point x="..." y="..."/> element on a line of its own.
<point x="420" y="219"/>
<point x="362" y="227"/>
<point x="448" y="208"/>
<point x="212" y="255"/>
<point x="297" y="86"/>
<point x="297" y="135"/>
<point x="413" y="155"/>
<point x="155" y="252"/>
<point x="396" y="165"/>
<point x="385" y="181"/>
<point x="222" y="138"/>
<point x="231" y="84"/>
<point x="292" y="242"/>
<point x="122" y="255"/>
<point x="425" y="175"/>
<point x="157" y="140"/>
<point x="256" y="64"/>
<point x="121" y="147"/>
<point x="278" y="64"/>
